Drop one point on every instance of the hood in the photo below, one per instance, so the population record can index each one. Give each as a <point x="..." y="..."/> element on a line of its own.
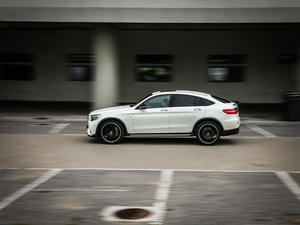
<point x="111" y="109"/>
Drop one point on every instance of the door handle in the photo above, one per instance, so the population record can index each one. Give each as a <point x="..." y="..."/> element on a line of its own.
<point x="164" y="110"/>
<point x="197" y="109"/>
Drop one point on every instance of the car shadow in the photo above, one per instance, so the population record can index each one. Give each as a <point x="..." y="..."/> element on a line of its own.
<point x="164" y="141"/>
<point x="160" y="140"/>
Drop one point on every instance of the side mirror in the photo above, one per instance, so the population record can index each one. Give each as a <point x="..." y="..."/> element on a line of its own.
<point x="142" y="106"/>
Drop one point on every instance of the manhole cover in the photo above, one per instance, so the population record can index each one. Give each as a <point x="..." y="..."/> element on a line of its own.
<point x="132" y="214"/>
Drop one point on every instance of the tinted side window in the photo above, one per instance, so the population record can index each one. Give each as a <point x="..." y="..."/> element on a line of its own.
<point x="198" y="101"/>
<point x="187" y="100"/>
<point x="183" y="100"/>
<point x="158" y="102"/>
<point x="207" y="102"/>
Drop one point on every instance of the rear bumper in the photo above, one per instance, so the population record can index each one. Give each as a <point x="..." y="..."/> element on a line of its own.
<point x="231" y="132"/>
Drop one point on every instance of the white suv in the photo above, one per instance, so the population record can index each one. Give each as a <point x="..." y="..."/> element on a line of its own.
<point x="167" y="113"/>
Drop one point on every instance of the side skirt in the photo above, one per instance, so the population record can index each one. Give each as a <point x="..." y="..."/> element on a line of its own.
<point x="162" y="134"/>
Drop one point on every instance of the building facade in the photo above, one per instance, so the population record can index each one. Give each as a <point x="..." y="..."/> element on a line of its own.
<point x="112" y="52"/>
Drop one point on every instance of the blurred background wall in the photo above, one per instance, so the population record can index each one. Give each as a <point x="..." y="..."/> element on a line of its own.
<point x="112" y="52"/>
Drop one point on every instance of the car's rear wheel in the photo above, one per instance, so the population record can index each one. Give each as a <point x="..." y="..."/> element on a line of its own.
<point x="111" y="132"/>
<point x="208" y="133"/>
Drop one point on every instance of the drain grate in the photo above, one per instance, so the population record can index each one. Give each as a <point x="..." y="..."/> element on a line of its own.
<point x="132" y="214"/>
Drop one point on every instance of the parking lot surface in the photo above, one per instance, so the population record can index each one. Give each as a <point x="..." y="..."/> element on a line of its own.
<point x="192" y="197"/>
<point x="52" y="173"/>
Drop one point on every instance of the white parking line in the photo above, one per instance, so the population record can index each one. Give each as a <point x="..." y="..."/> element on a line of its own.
<point x="162" y="195"/>
<point x="290" y="183"/>
<point x="58" y="128"/>
<point x="13" y="197"/>
<point x="261" y="131"/>
<point x="162" y="192"/>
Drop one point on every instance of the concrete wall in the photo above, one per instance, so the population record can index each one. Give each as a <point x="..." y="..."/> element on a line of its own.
<point x="265" y="80"/>
<point x="154" y="11"/>
<point x="50" y="48"/>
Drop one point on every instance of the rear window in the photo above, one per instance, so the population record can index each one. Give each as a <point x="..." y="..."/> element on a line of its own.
<point x="220" y="99"/>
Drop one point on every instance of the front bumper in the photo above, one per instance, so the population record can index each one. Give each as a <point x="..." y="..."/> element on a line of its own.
<point x="89" y="132"/>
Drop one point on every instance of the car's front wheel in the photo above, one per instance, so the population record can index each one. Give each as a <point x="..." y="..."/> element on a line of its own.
<point x="208" y="133"/>
<point x="111" y="132"/>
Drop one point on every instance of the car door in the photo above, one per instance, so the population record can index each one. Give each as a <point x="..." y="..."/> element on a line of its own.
<point x="186" y="110"/>
<point x="153" y="115"/>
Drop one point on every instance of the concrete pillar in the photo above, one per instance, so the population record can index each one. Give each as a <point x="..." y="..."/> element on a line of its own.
<point x="296" y="72"/>
<point x="105" y="86"/>
<point x="297" y="78"/>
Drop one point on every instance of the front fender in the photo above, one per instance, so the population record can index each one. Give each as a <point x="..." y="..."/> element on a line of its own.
<point x="111" y="119"/>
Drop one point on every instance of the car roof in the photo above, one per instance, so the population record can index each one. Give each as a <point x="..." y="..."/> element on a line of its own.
<point x="180" y="92"/>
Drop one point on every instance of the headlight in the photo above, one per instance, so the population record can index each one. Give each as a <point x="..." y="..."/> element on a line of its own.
<point x="95" y="117"/>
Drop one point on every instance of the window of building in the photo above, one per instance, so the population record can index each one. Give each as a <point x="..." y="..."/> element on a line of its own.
<point x="154" y="68"/>
<point x="80" y="67"/>
<point x="226" y="68"/>
<point x="17" y="66"/>
<point x="287" y="59"/>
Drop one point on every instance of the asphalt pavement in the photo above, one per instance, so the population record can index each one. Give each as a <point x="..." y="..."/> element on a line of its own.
<point x="51" y="173"/>
<point x="77" y="197"/>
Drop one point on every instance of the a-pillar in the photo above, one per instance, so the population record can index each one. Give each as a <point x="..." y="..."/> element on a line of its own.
<point x="105" y="82"/>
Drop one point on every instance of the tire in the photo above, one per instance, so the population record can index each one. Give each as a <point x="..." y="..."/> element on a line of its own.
<point x="111" y="132"/>
<point x="208" y="133"/>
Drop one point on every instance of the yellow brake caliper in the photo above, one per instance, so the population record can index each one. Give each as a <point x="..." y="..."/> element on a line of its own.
<point x="116" y="132"/>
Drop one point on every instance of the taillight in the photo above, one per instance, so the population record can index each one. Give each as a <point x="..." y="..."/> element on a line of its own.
<point x="230" y="111"/>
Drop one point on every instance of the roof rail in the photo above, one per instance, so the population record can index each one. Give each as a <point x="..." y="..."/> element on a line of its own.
<point x="167" y="90"/>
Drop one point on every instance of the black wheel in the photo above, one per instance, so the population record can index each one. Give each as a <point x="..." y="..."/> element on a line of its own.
<point x="208" y="133"/>
<point x="111" y="132"/>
